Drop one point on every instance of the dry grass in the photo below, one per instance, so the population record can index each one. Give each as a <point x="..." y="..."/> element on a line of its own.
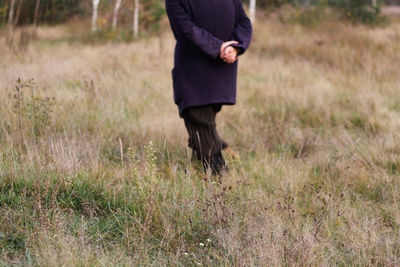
<point x="108" y="180"/>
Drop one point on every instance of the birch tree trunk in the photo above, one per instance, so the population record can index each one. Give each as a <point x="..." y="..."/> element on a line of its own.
<point x="136" y="20"/>
<point x="95" y="14"/>
<point x="10" y="23"/>
<point x="115" y="14"/>
<point x="253" y="11"/>
<point x="35" y="18"/>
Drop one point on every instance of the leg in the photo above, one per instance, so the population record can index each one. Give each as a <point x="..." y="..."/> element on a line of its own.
<point x="203" y="135"/>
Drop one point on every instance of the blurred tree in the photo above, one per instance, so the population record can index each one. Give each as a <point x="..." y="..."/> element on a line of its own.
<point x="95" y="5"/>
<point x="136" y="19"/>
<point x="35" y="17"/>
<point x="11" y="16"/>
<point x="17" y="15"/>
<point x="253" y="10"/>
<point x="115" y="13"/>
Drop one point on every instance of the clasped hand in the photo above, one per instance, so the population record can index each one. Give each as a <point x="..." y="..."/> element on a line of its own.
<point x="228" y="53"/>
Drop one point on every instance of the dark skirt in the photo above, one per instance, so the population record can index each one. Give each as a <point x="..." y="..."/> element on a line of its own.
<point x="201" y="127"/>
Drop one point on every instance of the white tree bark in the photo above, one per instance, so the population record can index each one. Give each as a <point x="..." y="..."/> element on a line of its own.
<point x="10" y="23"/>
<point x="95" y="14"/>
<point x="253" y="10"/>
<point x="35" y="18"/>
<point x="115" y="14"/>
<point x="136" y="20"/>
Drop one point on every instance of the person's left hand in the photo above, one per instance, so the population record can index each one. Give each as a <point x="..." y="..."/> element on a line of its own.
<point x="229" y="54"/>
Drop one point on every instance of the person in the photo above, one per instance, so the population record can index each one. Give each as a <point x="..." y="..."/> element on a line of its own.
<point x="210" y="36"/>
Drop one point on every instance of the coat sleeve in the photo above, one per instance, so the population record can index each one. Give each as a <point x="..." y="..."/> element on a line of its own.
<point x="243" y="30"/>
<point x="185" y="28"/>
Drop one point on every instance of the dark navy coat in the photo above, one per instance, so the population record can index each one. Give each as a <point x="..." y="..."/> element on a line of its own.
<point x="200" y="76"/>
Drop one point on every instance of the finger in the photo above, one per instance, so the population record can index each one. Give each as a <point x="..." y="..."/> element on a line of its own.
<point x="226" y="44"/>
<point x="228" y="48"/>
<point x="232" y="56"/>
<point x="229" y="55"/>
<point x="226" y="57"/>
<point x="233" y="59"/>
<point x="229" y="60"/>
<point x="223" y="48"/>
<point x="228" y="52"/>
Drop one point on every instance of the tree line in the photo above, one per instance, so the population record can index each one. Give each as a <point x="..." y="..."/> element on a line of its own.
<point x="15" y="13"/>
<point x="25" y="12"/>
<point x="143" y="13"/>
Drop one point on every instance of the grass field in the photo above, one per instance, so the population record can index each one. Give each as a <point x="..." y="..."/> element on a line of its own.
<point x="94" y="168"/>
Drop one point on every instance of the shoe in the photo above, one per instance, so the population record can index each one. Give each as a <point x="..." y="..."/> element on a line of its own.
<point x="216" y="163"/>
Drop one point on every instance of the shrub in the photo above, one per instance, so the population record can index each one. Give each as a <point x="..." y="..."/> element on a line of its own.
<point x="359" y="11"/>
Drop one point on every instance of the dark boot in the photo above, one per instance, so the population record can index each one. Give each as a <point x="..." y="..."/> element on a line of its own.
<point x="216" y="163"/>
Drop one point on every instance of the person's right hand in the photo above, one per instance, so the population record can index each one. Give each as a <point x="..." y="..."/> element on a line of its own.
<point x="230" y="54"/>
<point x="223" y="47"/>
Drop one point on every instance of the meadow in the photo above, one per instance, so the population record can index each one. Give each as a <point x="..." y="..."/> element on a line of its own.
<point x="95" y="169"/>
